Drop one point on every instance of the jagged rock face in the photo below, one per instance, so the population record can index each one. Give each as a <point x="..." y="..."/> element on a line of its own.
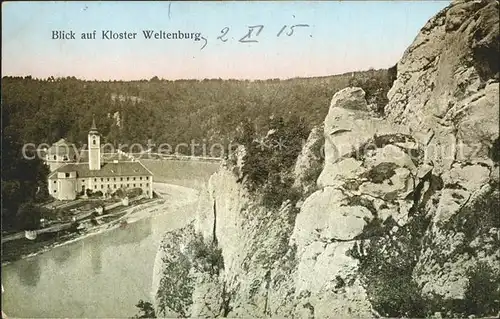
<point x="408" y="198"/>
<point x="446" y="89"/>
<point x="349" y="126"/>
<point x="253" y="280"/>
<point x="370" y="169"/>
<point x="446" y="92"/>
<point x="310" y="160"/>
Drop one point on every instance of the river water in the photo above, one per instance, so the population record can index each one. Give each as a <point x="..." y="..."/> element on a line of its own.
<point x="103" y="275"/>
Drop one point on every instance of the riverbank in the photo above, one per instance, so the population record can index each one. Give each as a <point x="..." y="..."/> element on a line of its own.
<point x="171" y="196"/>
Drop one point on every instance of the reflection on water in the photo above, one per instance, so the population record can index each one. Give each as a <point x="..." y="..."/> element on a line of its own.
<point x="61" y="255"/>
<point x="104" y="275"/>
<point x="96" y="260"/>
<point x="29" y="271"/>
<point x="129" y="234"/>
<point x="191" y="174"/>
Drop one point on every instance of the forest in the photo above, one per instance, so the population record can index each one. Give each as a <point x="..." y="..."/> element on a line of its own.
<point x="156" y="110"/>
<point x="44" y="110"/>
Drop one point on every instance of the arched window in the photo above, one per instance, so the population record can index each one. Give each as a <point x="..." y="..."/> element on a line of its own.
<point x="93" y="141"/>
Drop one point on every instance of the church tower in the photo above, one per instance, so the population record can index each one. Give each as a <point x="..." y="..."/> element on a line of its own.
<point x="94" y="148"/>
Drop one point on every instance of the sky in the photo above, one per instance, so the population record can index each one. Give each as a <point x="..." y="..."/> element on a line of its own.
<point x="335" y="37"/>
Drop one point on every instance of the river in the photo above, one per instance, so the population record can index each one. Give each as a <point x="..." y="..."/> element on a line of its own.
<point x="103" y="275"/>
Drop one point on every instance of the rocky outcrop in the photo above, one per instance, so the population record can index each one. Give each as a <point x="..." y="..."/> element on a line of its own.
<point x="399" y="214"/>
<point x="252" y="241"/>
<point x="446" y="93"/>
<point x="310" y="161"/>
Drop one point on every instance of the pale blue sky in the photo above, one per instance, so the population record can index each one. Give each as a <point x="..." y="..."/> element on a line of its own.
<point x="342" y="36"/>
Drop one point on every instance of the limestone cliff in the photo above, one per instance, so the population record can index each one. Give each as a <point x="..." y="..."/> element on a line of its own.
<point x="402" y="220"/>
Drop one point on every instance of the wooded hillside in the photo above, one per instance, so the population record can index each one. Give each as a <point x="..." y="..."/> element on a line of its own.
<point x="169" y="111"/>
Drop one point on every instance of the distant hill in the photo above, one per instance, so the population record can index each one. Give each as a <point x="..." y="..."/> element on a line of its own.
<point x="44" y="110"/>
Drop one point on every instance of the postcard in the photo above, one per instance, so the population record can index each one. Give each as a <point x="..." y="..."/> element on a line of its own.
<point x="246" y="159"/>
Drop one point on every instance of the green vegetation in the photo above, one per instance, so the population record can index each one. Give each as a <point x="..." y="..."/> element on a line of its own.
<point x="381" y="172"/>
<point x="24" y="181"/>
<point x="387" y="261"/>
<point x="169" y="111"/>
<point x="179" y="275"/>
<point x="176" y="286"/>
<point x="28" y="216"/>
<point x="97" y="194"/>
<point x="207" y="257"/>
<point x="482" y="296"/>
<point x="494" y="151"/>
<point x="375" y="88"/>
<point x="270" y="159"/>
<point x="120" y="193"/>
<point x="134" y="192"/>
<point x="146" y="310"/>
<point x="313" y="171"/>
<point x="478" y="218"/>
<point x="387" y="267"/>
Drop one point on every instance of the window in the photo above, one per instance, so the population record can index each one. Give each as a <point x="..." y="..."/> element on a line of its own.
<point x="133" y="185"/>
<point x="55" y="190"/>
<point x="115" y="185"/>
<point x="140" y="178"/>
<point x="55" y="182"/>
<point x="140" y="185"/>
<point x="55" y="157"/>
<point x="83" y="181"/>
<point x="102" y="179"/>
<point x="65" y="158"/>
<point x="95" y="186"/>
<point x="134" y="178"/>
<point x="67" y="175"/>
<point x="93" y="141"/>
<point x="121" y="178"/>
<point x="102" y="186"/>
<point x="114" y="178"/>
<point x="108" y="179"/>
<point x="127" y="178"/>
<point x="95" y="179"/>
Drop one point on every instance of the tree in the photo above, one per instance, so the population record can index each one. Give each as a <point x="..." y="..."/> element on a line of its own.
<point x="97" y="194"/>
<point x="269" y="163"/>
<point x="134" y="192"/>
<point x="88" y="192"/>
<point x="24" y="176"/>
<point x="146" y="310"/>
<point x="28" y="217"/>
<point x="483" y="291"/>
<point x="119" y="193"/>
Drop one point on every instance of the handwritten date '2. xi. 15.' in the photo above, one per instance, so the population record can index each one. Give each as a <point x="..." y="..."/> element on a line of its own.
<point x="254" y="32"/>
